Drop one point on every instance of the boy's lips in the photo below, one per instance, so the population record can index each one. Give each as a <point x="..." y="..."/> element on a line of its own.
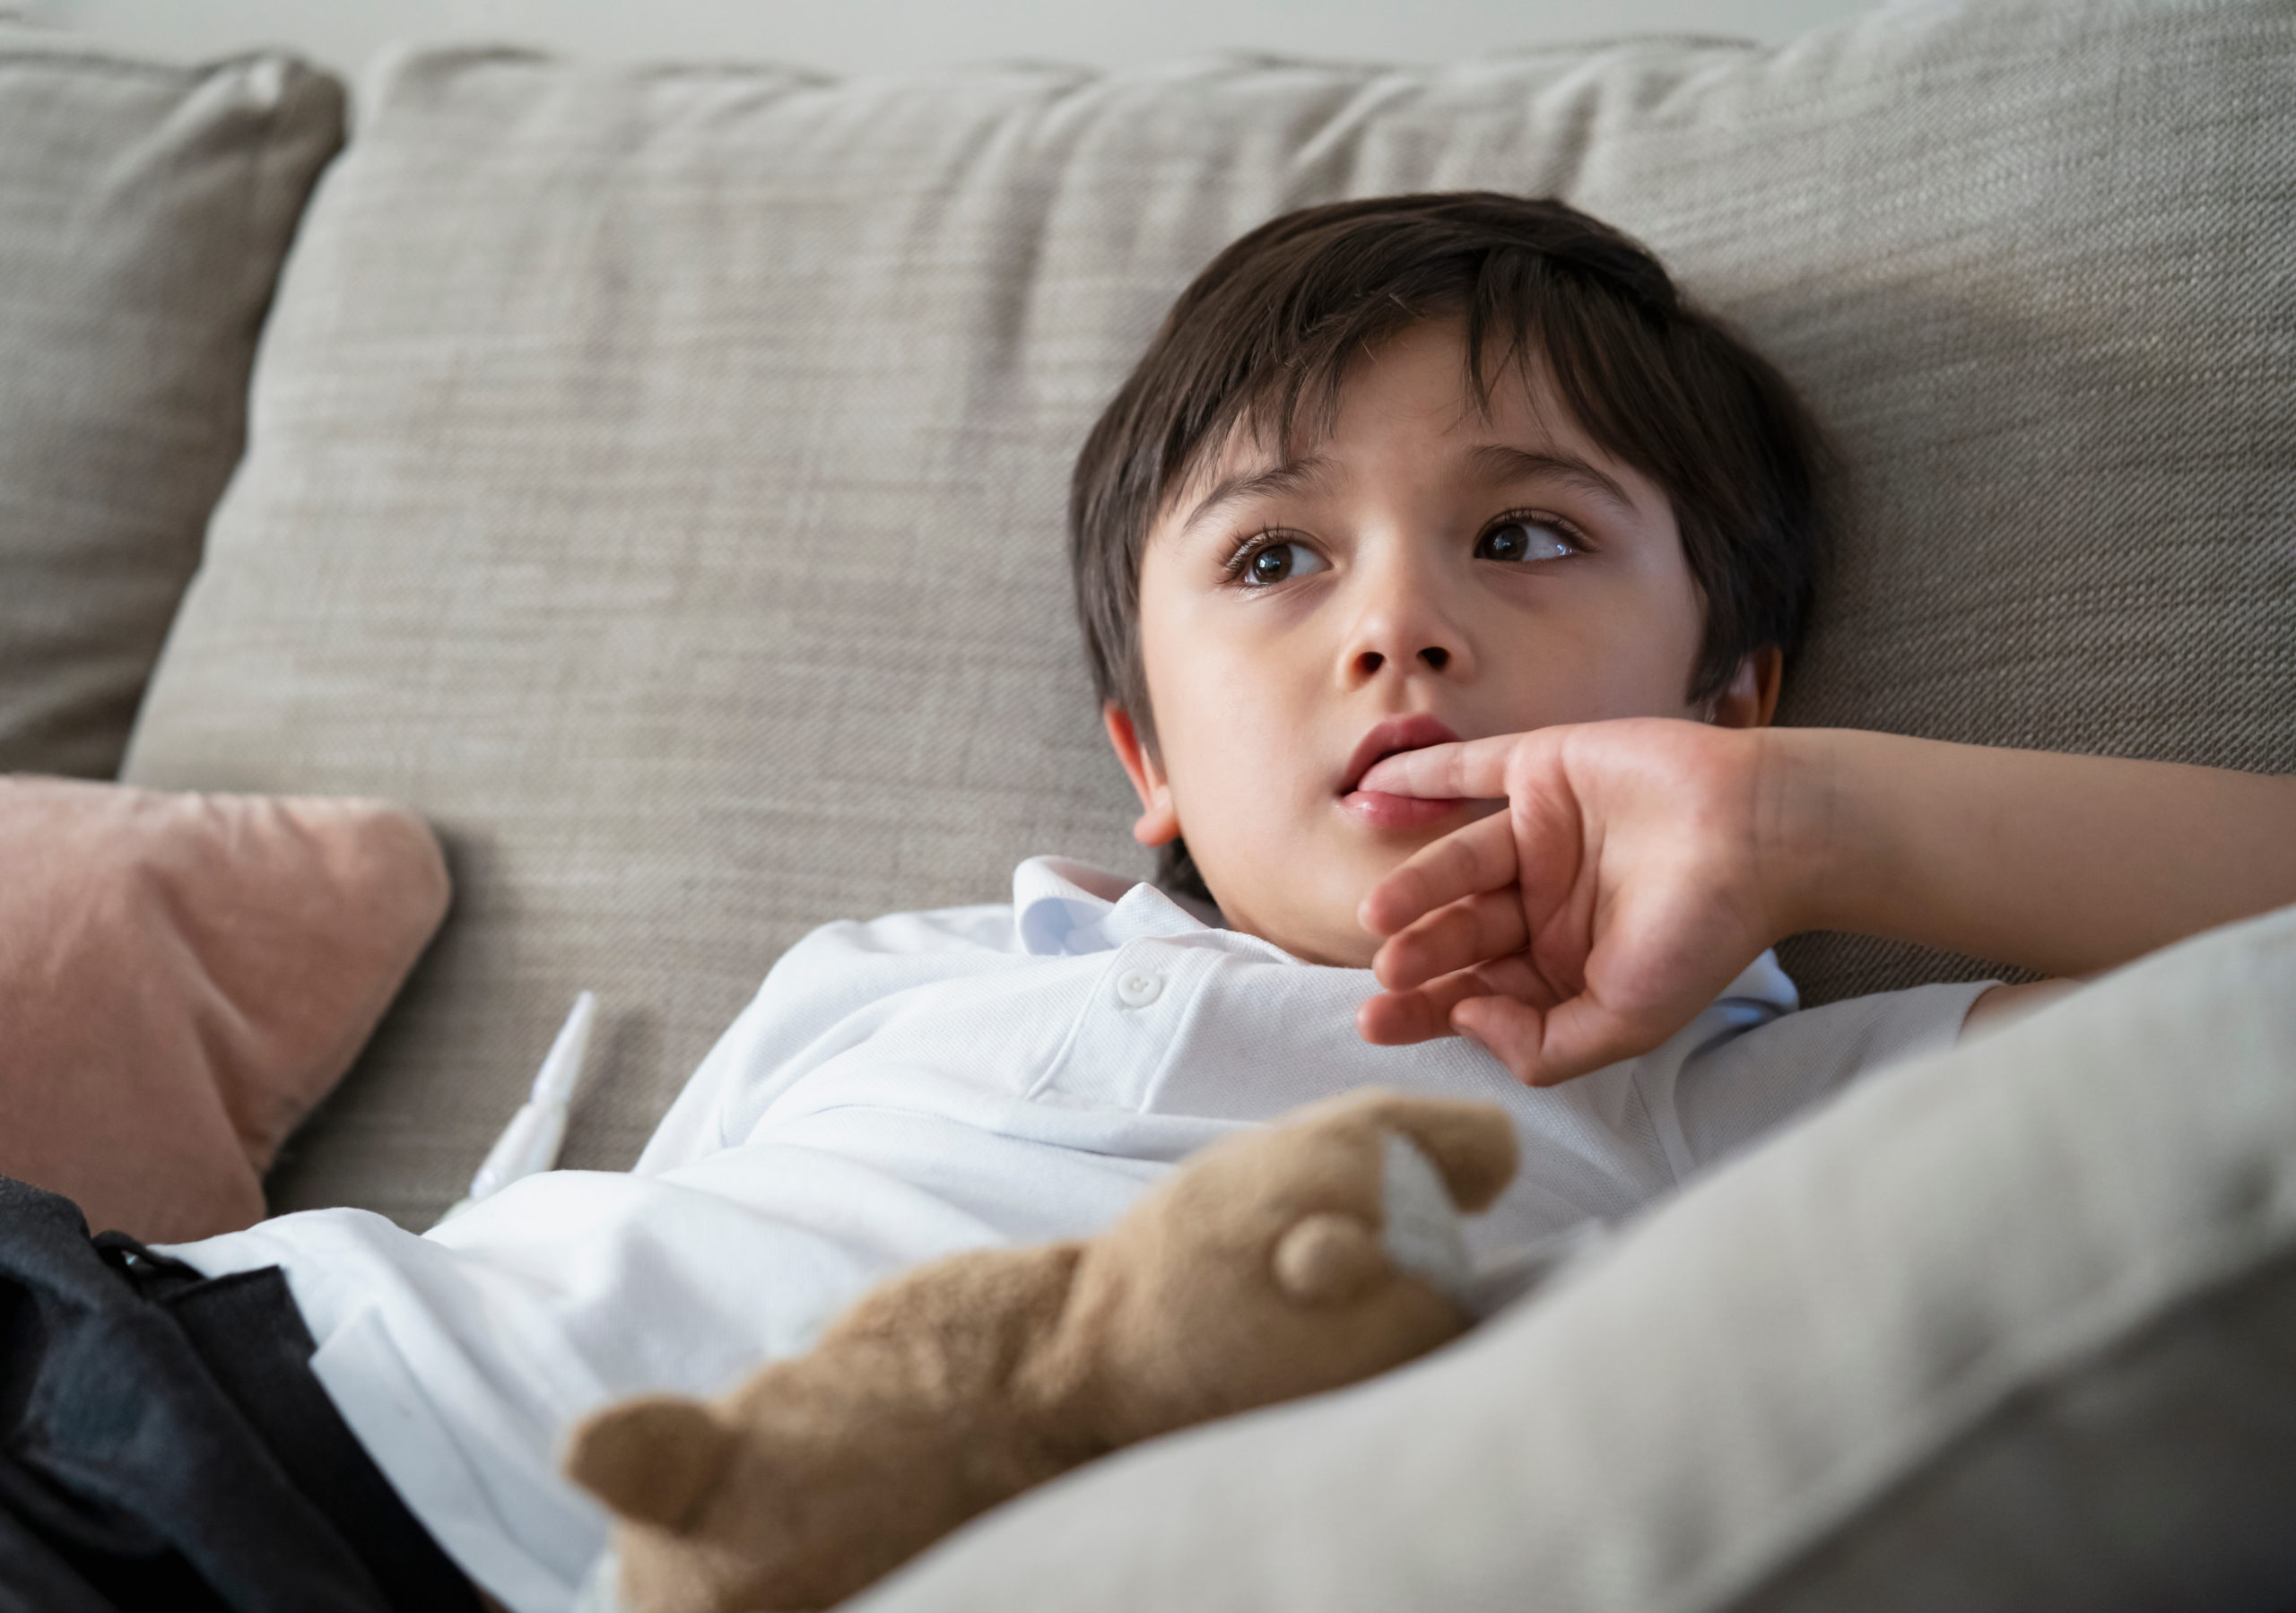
<point x="1375" y="809"/>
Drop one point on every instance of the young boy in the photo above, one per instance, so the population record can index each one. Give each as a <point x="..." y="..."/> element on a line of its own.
<point x="1438" y="567"/>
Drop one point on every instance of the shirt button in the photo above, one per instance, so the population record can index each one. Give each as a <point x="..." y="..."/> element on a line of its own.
<point x="1138" y="988"/>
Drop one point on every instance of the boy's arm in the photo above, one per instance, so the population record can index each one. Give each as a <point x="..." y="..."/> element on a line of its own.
<point x="1640" y="864"/>
<point x="2063" y="865"/>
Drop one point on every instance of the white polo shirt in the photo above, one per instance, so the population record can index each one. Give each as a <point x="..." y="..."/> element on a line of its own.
<point x="925" y="1083"/>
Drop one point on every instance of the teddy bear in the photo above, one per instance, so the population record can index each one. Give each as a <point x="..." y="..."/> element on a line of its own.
<point x="1279" y="1261"/>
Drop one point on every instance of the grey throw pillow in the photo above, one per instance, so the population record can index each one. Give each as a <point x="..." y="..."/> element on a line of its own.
<point x="144" y="214"/>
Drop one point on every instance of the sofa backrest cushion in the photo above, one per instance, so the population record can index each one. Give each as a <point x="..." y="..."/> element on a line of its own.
<point x="656" y="476"/>
<point x="144" y="214"/>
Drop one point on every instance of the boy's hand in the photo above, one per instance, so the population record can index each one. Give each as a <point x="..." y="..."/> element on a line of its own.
<point x="1640" y="864"/>
<point x="1634" y="873"/>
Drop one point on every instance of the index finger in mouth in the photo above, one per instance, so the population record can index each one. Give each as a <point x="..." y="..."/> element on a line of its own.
<point x="1470" y="769"/>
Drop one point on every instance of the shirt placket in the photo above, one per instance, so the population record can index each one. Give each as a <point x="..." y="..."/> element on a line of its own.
<point x="1129" y="1024"/>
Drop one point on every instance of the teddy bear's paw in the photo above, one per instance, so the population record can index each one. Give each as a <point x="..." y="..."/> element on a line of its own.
<point x="1327" y="1258"/>
<point x="1330" y="1257"/>
<point x="1421" y="1232"/>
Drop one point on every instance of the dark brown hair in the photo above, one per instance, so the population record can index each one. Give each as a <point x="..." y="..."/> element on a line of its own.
<point x="1266" y="337"/>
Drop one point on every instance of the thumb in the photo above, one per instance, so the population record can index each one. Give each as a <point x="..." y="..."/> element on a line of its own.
<point x="1567" y="1041"/>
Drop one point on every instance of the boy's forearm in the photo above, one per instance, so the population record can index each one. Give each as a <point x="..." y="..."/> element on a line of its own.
<point x="2067" y="865"/>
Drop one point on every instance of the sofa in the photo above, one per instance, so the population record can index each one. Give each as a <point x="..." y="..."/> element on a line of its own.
<point x="653" y="477"/>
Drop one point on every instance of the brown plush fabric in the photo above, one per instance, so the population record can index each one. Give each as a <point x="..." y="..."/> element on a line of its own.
<point x="182" y="977"/>
<point x="962" y="1382"/>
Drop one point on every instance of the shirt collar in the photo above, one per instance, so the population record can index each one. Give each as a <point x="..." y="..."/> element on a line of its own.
<point x="1764" y="983"/>
<point x="1064" y="908"/>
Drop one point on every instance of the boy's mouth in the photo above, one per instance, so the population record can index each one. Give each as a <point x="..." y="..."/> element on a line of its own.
<point x="1375" y="809"/>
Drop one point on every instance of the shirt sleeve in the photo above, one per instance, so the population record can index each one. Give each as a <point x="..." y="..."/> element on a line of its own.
<point x="1735" y="1092"/>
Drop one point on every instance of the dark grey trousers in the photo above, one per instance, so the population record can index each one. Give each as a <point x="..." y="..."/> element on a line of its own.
<point x="163" y="1444"/>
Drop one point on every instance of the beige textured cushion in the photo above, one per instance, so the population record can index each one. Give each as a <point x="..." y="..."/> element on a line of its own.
<point x="182" y="977"/>
<point x="656" y="476"/>
<point x="144" y="214"/>
<point x="2012" y="1328"/>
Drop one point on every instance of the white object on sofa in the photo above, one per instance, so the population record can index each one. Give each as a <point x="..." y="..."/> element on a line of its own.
<point x="536" y="1134"/>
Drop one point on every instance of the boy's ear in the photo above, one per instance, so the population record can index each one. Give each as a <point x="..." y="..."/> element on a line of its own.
<point x="1158" y="821"/>
<point x="1752" y="699"/>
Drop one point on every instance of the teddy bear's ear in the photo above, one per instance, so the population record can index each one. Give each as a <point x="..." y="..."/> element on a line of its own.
<point x="653" y="1459"/>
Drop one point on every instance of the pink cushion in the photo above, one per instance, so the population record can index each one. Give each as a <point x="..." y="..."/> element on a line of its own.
<point x="182" y="977"/>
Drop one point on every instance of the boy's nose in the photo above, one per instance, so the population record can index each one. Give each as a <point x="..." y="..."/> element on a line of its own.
<point x="1403" y="630"/>
<point x="1432" y="656"/>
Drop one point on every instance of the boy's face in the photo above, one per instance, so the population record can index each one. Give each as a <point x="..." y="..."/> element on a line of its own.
<point x="1424" y="573"/>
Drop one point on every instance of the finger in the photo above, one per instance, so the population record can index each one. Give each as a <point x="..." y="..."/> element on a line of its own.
<point x="1509" y="1030"/>
<point x="1478" y="857"/>
<point x="1543" y="1049"/>
<point x="1468" y="932"/>
<point x="1584" y="1034"/>
<point x="1475" y="769"/>
<point x="1399" y="1019"/>
<point x="1518" y="978"/>
<point x="1395" y="1018"/>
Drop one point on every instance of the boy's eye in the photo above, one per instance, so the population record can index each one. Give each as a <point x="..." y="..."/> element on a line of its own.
<point x="1524" y="540"/>
<point x="1273" y="562"/>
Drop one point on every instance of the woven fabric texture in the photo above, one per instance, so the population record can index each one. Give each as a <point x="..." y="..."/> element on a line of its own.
<point x="144" y="214"/>
<point x="656" y="476"/>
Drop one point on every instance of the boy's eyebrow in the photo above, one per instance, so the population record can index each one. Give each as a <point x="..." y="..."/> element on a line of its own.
<point x="1289" y="477"/>
<point x="1503" y="462"/>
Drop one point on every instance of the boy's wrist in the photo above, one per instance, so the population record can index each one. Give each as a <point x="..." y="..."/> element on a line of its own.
<point x="1805" y="803"/>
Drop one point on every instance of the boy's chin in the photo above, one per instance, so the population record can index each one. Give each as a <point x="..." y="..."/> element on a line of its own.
<point x="1329" y="935"/>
